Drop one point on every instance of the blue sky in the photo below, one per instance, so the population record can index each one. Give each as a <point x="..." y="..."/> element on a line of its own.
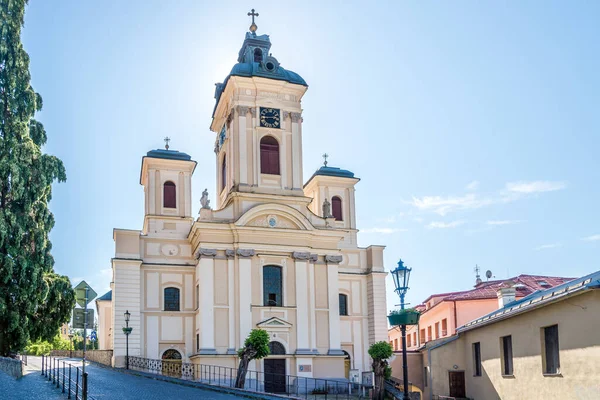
<point x="474" y="126"/>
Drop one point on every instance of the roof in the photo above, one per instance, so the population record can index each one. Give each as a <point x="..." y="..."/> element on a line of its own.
<point x="106" y="296"/>
<point x="524" y="284"/>
<point x="536" y="299"/>
<point x="332" y="171"/>
<point x="169" y="155"/>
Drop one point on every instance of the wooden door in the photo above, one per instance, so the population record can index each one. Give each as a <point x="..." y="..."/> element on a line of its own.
<point x="275" y="379"/>
<point x="457" y="384"/>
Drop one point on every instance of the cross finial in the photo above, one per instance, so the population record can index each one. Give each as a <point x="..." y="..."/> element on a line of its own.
<point x="325" y="156"/>
<point x="167" y="140"/>
<point x="253" y="27"/>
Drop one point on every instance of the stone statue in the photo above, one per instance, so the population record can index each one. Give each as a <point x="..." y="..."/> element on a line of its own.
<point x="204" y="201"/>
<point x="326" y="209"/>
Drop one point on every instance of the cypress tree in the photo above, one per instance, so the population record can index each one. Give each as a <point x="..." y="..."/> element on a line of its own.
<point x="34" y="301"/>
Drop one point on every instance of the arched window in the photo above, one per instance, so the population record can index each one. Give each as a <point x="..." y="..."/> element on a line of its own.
<point x="169" y="195"/>
<point x="269" y="155"/>
<point x="224" y="172"/>
<point x="276" y="348"/>
<point x="171" y="354"/>
<point x="258" y="55"/>
<point x="343" y="304"/>
<point x="272" y="286"/>
<point x="336" y="208"/>
<point x="171" y="299"/>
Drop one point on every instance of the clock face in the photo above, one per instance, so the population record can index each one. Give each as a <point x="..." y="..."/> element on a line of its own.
<point x="269" y="117"/>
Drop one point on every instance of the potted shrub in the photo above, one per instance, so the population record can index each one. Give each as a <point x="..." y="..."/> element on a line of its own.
<point x="408" y="316"/>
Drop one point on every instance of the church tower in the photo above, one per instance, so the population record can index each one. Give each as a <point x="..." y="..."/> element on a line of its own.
<point x="258" y="124"/>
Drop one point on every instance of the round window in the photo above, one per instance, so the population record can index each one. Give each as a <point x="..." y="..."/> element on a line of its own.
<point x="270" y="66"/>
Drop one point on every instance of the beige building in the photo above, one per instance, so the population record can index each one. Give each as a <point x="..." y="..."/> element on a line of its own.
<point x="105" y="327"/>
<point x="276" y="252"/>
<point x="545" y="345"/>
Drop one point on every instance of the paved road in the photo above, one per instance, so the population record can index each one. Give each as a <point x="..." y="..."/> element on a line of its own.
<point x="104" y="384"/>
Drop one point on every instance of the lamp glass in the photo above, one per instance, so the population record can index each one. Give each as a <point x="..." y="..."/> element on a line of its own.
<point x="127" y="315"/>
<point x="401" y="276"/>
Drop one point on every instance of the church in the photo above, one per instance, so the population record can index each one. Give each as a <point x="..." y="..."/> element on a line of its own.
<point x="274" y="251"/>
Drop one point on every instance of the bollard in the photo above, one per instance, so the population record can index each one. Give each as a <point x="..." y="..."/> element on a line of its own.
<point x="58" y="371"/>
<point x="54" y="371"/>
<point x="42" y="364"/>
<point x="84" y="388"/>
<point x="77" y="385"/>
<point x="69" y="395"/>
<point x="63" y="377"/>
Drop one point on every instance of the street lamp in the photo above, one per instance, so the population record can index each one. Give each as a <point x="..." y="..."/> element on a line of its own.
<point x="401" y="275"/>
<point x="127" y="330"/>
<point x="71" y="342"/>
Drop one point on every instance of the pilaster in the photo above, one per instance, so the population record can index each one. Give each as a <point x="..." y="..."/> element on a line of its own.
<point x="206" y="311"/>
<point x="245" y="292"/>
<point x="126" y="297"/>
<point x="334" y="308"/>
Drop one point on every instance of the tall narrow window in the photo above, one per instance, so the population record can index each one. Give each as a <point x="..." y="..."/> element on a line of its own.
<point x="396" y="345"/>
<point x="437" y="330"/>
<point x="409" y="341"/>
<point x="477" y="359"/>
<point x="415" y="339"/>
<point x="224" y="172"/>
<point x="197" y="297"/>
<point x="272" y="286"/>
<point x="423" y="339"/>
<point x="343" y="304"/>
<point x="169" y="195"/>
<point x="551" y="350"/>
<point x="269" y="155"/>
<point x="507" y="356"/>
<point x="444" y="327"/>
<point x="258" y="55"/>
<point x="171" y="299"/>
<point x="197" y="341"/>
<point x="336" y="208"/>
<point x="429" y="333"/>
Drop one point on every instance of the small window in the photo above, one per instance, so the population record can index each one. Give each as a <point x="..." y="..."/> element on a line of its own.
<point x="343" y="304"/>
<point x="197" y="297"/>
<point x="477" y="359"/>
<point x="269" y="155"/>
<point x="169" y="195"/>
<point x="336" y="208"/>
<point x="425" y="377"/>
<point x="423" y="339"/>
<point x="429" y="333"/>
<point x="437" y="330"/>
<point x="396" y="347"/>
<point x="171" y="299"/>
<point x="415" y="339"/>
<point x="197" y="341"/>
<point x="258" y="55"/>
<point x="507" y="356"/>
<point x="272" y="286"/>
<point x="409" y="341"/>
<point x="551" y="358"/>
<point x="444" y="327"/>
<point x="224" y="173"/>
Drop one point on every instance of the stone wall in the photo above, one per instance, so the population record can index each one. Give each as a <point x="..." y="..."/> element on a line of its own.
<point x="11" y="366"/>
<point x="99" y="356"/>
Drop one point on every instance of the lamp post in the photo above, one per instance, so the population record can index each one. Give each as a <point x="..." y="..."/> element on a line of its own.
<point x="127" y="330"/>
<point x="401" y="276"/>
<point x="71" y="343"/>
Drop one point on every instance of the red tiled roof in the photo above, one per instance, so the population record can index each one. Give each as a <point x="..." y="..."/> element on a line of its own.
<point x="524" y="284"/>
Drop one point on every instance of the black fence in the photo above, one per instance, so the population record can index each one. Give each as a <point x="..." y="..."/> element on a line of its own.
<point x="264" y="382"/>
<point x="23" y="358"/>
<point x="70" y="378"/>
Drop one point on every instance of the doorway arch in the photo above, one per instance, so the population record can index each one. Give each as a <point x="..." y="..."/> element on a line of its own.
<point x="347" y="364"/>
<point x="275" y="371"/>
<point x="171" y="363"/>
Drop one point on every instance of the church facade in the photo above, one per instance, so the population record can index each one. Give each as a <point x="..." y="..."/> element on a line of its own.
<point x="274" y="252"/>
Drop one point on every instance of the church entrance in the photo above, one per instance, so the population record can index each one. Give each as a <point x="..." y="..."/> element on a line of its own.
<point x="171" y="363"/>
<point x="275" y="378"/>
<point x="347" y="364"/>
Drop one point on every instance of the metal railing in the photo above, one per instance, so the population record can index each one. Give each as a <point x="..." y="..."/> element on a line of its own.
<point x="66" y="376"/>
<point x="23" y="358"/>
<point x="264" y="382"/>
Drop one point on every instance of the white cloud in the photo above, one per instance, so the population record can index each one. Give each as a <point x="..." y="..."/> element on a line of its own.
<point x="534" y="186"/>
<point x="548" y="246"/>
<point x="503" y="222"/>
<point x="592" y="238"/>
<point x="444" y="225"/>
<point x="444" y="205"/>
<point x="384" y="231"/>
<point x="473" y="185"/>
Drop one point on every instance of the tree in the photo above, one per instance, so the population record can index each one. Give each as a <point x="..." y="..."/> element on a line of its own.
<point x="256" y="346"/>
<point x="27" y="279"/>
<point x="380" y="352"/>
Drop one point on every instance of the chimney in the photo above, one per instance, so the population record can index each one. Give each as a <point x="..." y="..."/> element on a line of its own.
<point x="506" y="294"/>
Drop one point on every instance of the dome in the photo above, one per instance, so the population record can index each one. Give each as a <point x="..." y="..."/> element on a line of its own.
<point x="169" y="155"/>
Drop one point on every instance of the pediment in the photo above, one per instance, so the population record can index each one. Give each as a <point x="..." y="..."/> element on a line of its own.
<point x="275" y="216"/>
<point x="274" y="322"/>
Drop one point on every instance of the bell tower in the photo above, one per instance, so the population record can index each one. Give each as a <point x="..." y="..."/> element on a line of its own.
<point x="257" y="120"/>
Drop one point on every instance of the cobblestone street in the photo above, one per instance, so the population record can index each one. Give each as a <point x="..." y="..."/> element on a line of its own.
<point x="104" y="383"/>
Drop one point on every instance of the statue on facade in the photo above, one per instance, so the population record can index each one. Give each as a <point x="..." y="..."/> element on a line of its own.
<point x="204" y="201"/>
<point x="326" y="209"/>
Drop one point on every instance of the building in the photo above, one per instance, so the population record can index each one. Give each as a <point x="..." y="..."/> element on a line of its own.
<point x="64" y="331"/>
<point x="442" y="313"/>
<point x="276" y="252"/>
<point x="543" y="345"/>
<point x="105" y="320"/>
